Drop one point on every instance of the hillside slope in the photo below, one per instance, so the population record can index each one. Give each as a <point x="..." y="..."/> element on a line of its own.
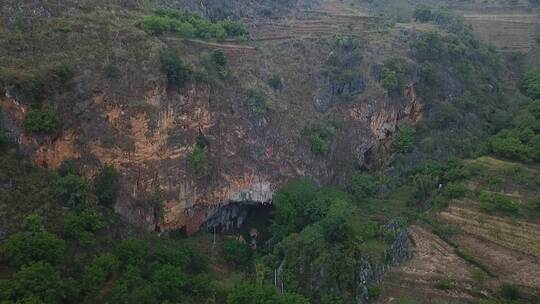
<point x="258" y="136"/>
<point x="465" y="252"/>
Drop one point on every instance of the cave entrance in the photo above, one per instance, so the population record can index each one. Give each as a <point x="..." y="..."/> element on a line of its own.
<point x="249" y="220"/>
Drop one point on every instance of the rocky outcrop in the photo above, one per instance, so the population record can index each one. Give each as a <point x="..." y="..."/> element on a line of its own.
<point x="370" y="273"/>
<point x="332" y="88"/>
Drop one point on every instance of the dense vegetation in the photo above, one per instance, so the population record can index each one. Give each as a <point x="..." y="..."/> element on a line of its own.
<point x="520" y="139"/>
<point x="191" y="25"/>
<point x="84" y="259"/>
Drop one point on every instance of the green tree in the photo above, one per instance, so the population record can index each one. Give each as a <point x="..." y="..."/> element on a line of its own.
<point x="170" y="282"/>
<point x="71" y="189"/>
<point x="531" y="84"/>
<point x="82" y="226"/>
<point x="97" y="272"/>
<point x="132" y="252"/>
<point x="32" y="246"/>
<point x="119" y="293"/>
<point x="390" y="81"/>
<point x="335" y="225"/>
<point x="289" y="205"/>
<point x="508" y="144"/>
<point x="36" y="283"/>
<point x="107" y="185"/>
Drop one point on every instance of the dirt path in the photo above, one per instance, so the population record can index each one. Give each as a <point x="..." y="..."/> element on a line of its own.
<point x="213" y="44"/>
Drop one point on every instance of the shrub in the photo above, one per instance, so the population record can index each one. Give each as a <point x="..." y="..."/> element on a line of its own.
<point x="237" y="252"/>
<point x="197" y="160"/>
<point x="390" y="81"/>
<point x="444" y="284"/>
<point x="507" y="144"/>
<point x="214" y="64"/>
<point x="363" y="185"/>
<point x="234" y="28"/>
<point x="455" y="190"/>
<point x="318" y="144"/>
<point x="107" y="185"/>
<point x="33" y="223"/>
<point x="509" y="292"/>
<point x="43" y="120"/>
<point x="404" y="141"/>
<point x="112" y="72"/>
<point x="531" y="84"/>
<point x="219" y="57"/>
<point x="533" y="205"/>
<point x="275" y="82"/>
<point x="423" y="13"/>
<point x="495" y="202"/>
<point x="445" y="231"/>
<point x="375" y="291"/>
<point x="257" y="101"/>
<point x="175" y="69"/>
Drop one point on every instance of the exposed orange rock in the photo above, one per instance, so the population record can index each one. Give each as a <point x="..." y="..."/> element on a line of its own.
<point x="55" y="151"/>
<point x="14" y="109"/>
<point x="414" y="109"/>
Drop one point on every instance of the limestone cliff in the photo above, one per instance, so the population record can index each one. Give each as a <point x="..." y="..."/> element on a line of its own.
<point x="148" y="131"/>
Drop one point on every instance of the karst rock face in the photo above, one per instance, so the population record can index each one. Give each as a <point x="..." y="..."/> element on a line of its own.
<point x="148" y="130"/>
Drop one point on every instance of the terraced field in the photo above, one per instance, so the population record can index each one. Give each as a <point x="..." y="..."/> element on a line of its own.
<point x="510" y="28"/>
<point x="464" y="253"/>
<point x="329" y="19"/>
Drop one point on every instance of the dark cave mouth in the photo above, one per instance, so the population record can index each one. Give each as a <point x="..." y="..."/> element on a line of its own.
<point x="241" y="218"/>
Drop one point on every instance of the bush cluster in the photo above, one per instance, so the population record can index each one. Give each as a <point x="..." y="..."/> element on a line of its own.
<point x="40" y="120"/>
<point x="497" y="203"/>
<point x="394" y="71"/>
<point x="522" y="140"/>
<point x="177" y="71"/>
<point x="405" y="138"/>
<point x="189" y="24"/>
